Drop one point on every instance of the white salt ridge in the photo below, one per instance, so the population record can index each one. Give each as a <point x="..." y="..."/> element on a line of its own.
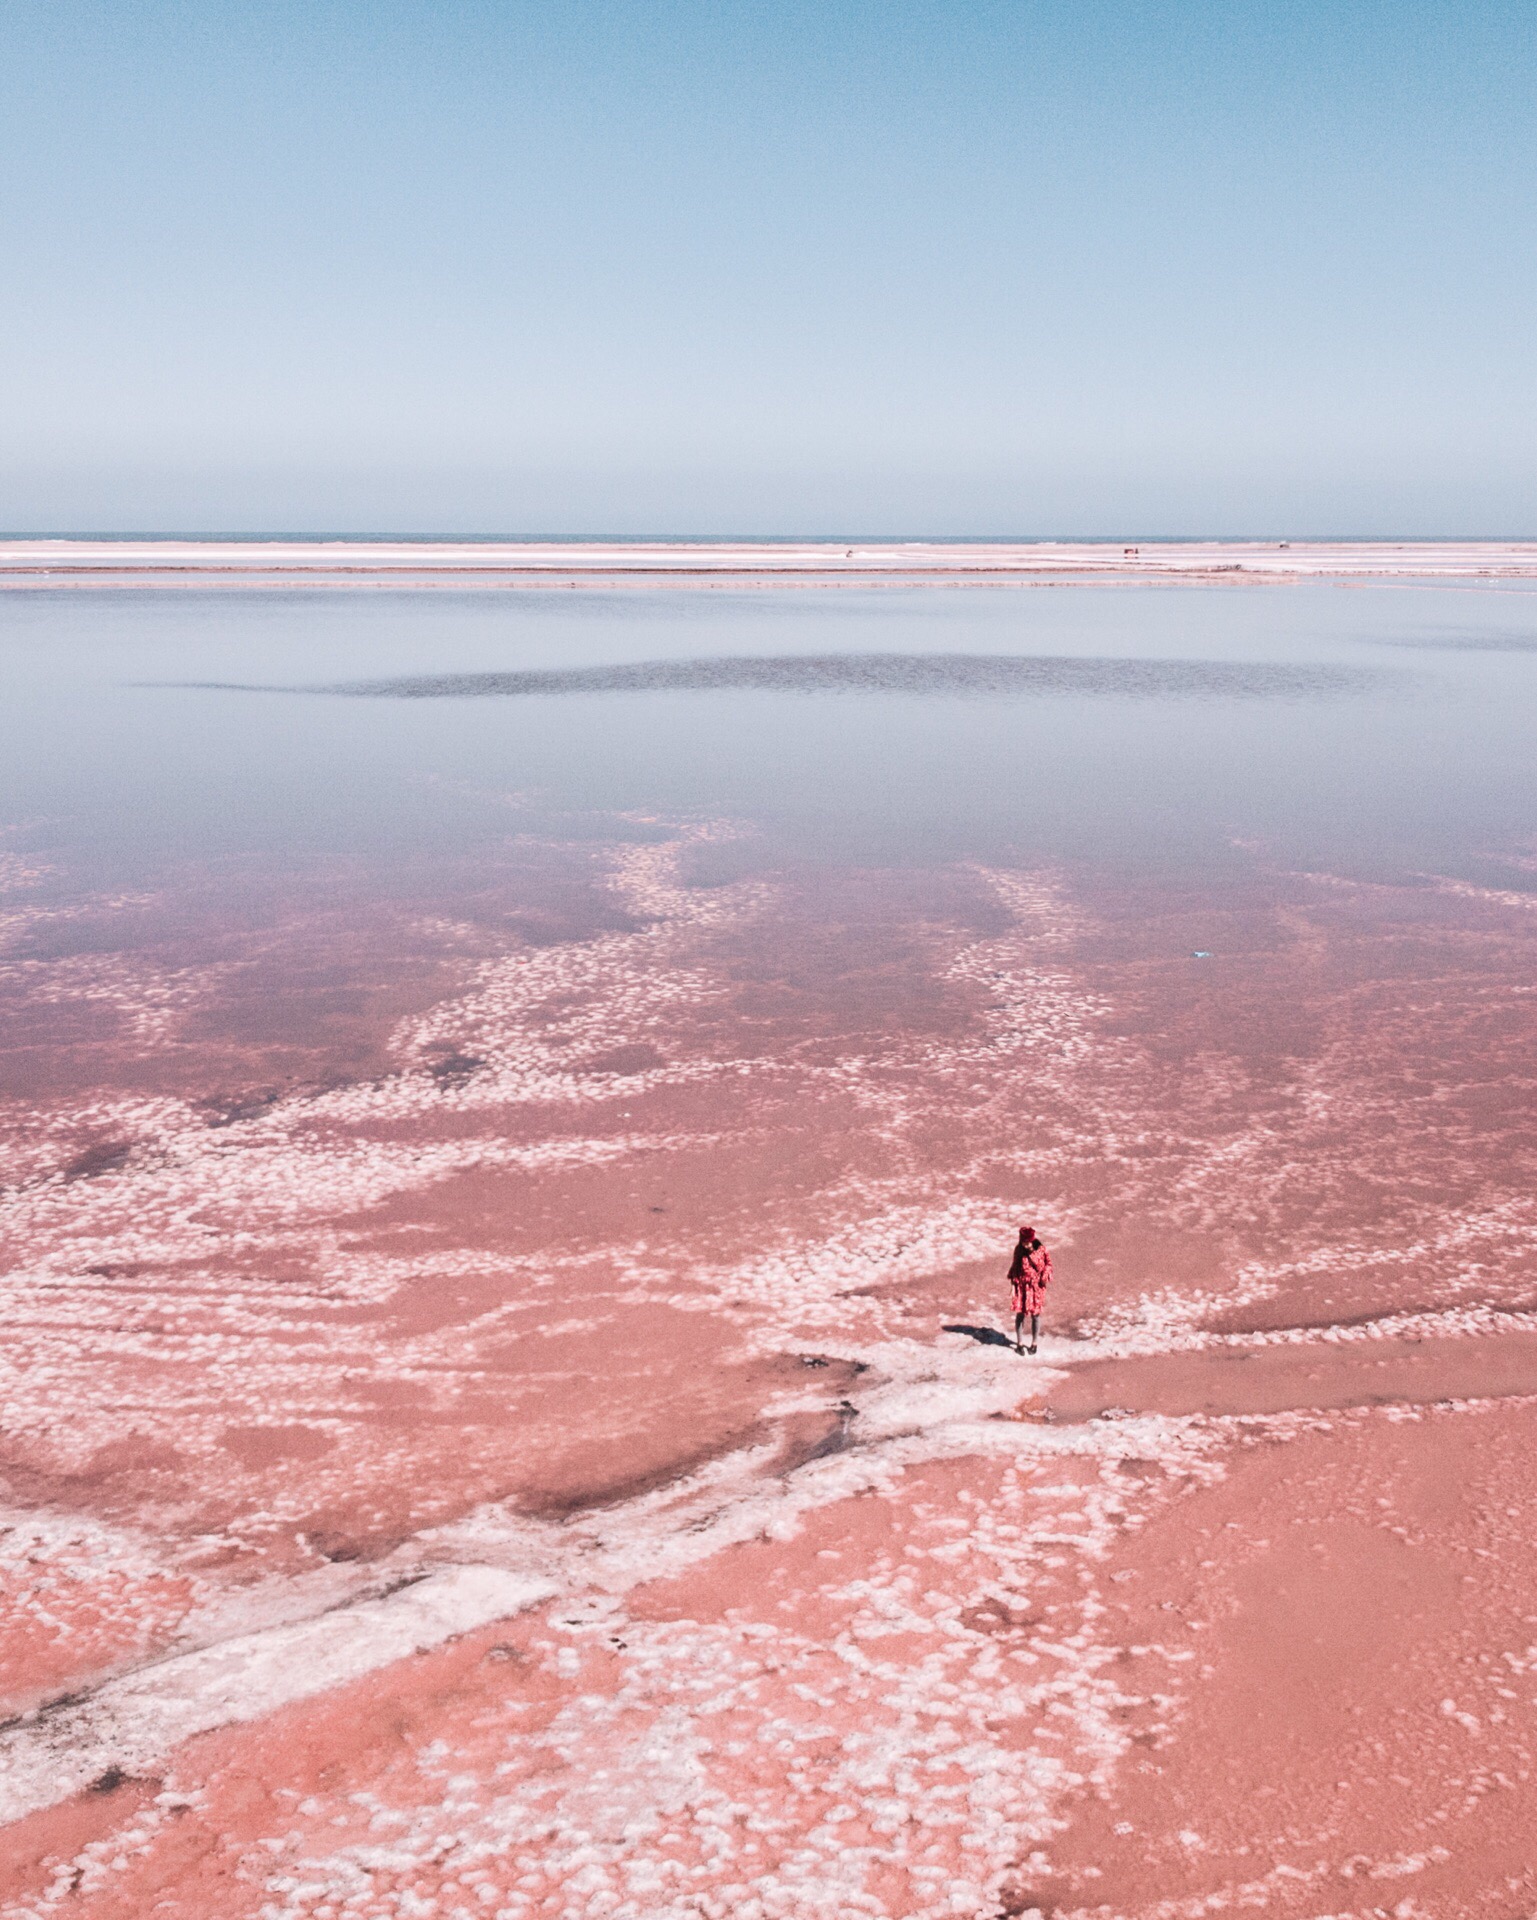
<point x="61" y="564"/>
<point x="638" y="1759"/>
<point x="1446" y="1252"/>
<point x="1449" y="1323"/>
<point x="921" y="1405"/>
<point x="136" y="1722"/>
<point x="891" y="1723"/>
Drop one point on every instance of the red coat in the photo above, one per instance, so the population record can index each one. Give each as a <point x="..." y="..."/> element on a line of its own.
<point x="1030" y="1287"/>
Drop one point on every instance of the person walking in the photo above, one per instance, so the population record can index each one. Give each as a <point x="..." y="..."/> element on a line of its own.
<point x="1029" y="1275"/>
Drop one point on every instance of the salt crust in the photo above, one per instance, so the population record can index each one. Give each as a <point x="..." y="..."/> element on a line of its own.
<point x="288" y="1171"/>
<point x="33" y="563"/>
<point x="188" y="1195"/>
<point x="133" y="1723"/>
<point x="920" y="1406"/>
<point x="306" y="1159"/>
<point x="908" y="1670"/>
<point x="647" y="1765"/>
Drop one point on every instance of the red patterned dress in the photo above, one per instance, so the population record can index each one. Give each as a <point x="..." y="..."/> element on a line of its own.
<point x="1030" y="1287"/>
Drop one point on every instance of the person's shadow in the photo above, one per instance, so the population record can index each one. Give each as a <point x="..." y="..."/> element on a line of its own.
<point x="984" y="1336"/>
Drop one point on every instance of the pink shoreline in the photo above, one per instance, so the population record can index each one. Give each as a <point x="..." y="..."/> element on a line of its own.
<point x="679" y="564"/>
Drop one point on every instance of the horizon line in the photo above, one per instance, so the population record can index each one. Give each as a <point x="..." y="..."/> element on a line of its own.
<point x="340" y="536"/>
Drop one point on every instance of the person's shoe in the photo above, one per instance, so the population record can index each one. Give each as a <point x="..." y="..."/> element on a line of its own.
<point x="1031" y="1349"/>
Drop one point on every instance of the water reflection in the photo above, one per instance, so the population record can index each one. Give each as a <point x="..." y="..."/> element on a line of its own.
<point x="1146" y="727"/>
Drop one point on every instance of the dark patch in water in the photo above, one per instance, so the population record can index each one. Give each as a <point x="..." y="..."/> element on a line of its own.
<point x="105" y="1157"/>
<point x="969" y="676"/>
<point x="225" y="1110"/>
<point x="455" y="1068"/>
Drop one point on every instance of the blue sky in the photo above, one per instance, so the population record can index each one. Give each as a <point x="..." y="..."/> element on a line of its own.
<point x="1093" y="268"/>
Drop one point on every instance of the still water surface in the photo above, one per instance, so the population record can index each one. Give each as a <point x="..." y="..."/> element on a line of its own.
<point x="1375" y="731"/>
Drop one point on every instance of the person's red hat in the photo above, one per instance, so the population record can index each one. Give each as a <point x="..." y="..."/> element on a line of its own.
<point x="1028" y="1232"/>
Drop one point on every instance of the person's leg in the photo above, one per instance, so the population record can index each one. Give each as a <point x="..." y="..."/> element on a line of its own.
<point x="1035" y="1328"/>
<point x="1019" y="1340"/>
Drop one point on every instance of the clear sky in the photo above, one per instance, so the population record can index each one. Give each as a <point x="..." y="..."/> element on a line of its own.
<point x="585" y="266"/>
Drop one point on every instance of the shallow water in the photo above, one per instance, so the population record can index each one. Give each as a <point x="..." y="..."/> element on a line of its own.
<point x="1382" y="728"/>
<point x="514" y="1113"/>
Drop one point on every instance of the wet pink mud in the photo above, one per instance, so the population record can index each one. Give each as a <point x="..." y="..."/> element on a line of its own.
<point x="506" y="1411"/>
